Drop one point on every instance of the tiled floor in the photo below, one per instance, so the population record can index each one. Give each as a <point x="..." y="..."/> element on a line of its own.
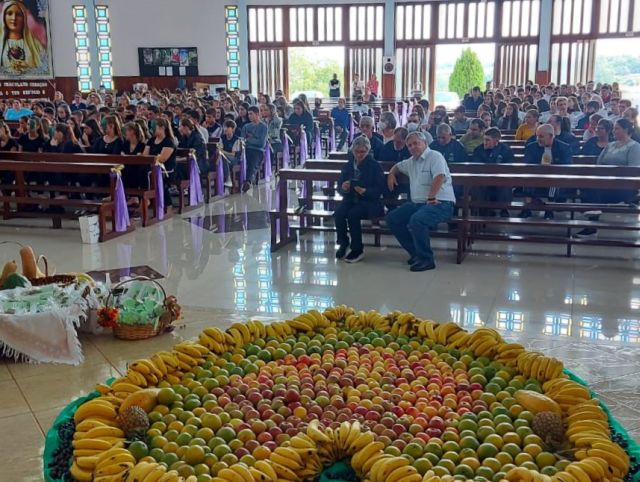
<point x="585" y="309"/>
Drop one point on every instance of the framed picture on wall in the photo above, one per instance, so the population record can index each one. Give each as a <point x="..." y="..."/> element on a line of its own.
<point x="25" y="50"/>
<point x="157" y="61"/>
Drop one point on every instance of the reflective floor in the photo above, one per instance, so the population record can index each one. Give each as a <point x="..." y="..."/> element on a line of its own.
<point x="217" y="260"/>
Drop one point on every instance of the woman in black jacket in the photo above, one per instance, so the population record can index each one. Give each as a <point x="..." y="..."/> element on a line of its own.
<point x="192" y="139"/>
<point x="361" y="185"/>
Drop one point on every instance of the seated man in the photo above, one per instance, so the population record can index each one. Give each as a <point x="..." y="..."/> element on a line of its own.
<point x="545" y="150"/>
<point x="340" y="116"/>
<point x="460" y="123"/>
<point x="447" y="145"/>
<point x="396" y="149"/>
<point x="432" y="201"/>
<point x="366" y="128"/>
<point x="230" y="148"/>
<point x="473" y="101"/>
<point x="474" y="136"/>
<point x="361" y="185"/>
<point x="16" y="111"/>
<point x="360" y="107"/>
<point x="492" y="151"/>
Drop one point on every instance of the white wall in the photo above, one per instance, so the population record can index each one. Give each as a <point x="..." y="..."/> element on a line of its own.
<point x="147" y="23"/>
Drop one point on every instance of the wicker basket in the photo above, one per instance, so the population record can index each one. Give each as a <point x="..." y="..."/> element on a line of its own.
<point x="62" y="279"/>
<point x="141" y="332"/>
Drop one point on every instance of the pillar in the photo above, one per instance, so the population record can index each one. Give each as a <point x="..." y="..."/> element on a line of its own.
<point x="243" y="44"/>
<point x="389" y="80"/>
<point x="543" y="70"/>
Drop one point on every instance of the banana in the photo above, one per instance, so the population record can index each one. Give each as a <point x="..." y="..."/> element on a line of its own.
<point x="283" y="471"/>
<point x="156" y="474"/>
<point x="137" y="378"/>
<point x="243" y="471"/>
<point x="291" y="456"/>
<point x="259" y="476"/>
<point x="115" y="469"/>
<point x="575" y="470"/>
<point x="302" y="442"/>
<point x="169" y="359"/>
<point x="187" y="349"/>
<point x="264" y="467"/>
<point x="140" y="471"/>
<point x="159" y="362"/>
<point x="361" y="441"/>
<point x="368" y="464"/>
<point x="216" y="333"/>
<point x="315" y="433"/>
<point x="116" y="458"/>
<point x="388" y="467"/>
<point x="104" y="431"/>
<point x="95" y="408"/>
<point x="591" y="468"/>
<point x="404" y="474"/>
<point x="238" y="341"/>
<point x="360" y="457"/>
<point x="87" y="463"/>
<point x="88" y="424"/>
<point x="170" y="476"/>
<point x="188" y="359"/>
<point x="504" y="347"/>
<point x="91" y="444"/>
<point x="79" y="474"/>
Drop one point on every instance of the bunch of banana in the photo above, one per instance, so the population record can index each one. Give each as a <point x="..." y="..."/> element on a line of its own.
<point x="586" y="470"/>
<point x="430" y="476"/>
<point x="189" y="355"/>
<point x="458" y="340"/>
<point x="214" y="339"/>
<point x="616" y="460"/>
<point x="240" y="335"/>
<point x="371" y="319"/>
<point x="393" y="469"/>
<point x="522" y="474"/>
<point x="287" y="463"/>
<point x="96" y="409"/>
<point x="566" y="393"/>
<point x="308" y="450"/>
<point x="338" y="314"/>
<point x="309" y="322"/>
<point x="151" y="472"/>
<point x="484" y="342"/>
<point x="538" y="366"/>
<point x="363" y="459"/>
<point x="405" y="325"/>
<point x="587" y="410"/>
<point x="145" y="373"/>
<point x="507" y="353"/>
<point x="443" y="331"/>
<point x="279" y="330"/>
<point x="426" y="329"/>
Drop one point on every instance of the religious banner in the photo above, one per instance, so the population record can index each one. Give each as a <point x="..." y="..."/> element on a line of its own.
<point x="25" y="52"/>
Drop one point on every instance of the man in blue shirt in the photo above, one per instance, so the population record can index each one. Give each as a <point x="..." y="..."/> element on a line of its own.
<point x="446" y="144"/>
<point x="472" y="102"/>
<point x="547" y="149"/>
<point x="340" y="116"/>
<point x="432" y="201"/>
<point x="254" y="134"/>
<point x="17" y="111"/>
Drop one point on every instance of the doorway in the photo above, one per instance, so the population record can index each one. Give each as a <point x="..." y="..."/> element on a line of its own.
<point x="311" y="69"/>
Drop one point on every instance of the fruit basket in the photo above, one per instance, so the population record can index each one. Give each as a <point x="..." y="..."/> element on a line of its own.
<point x="138" y="308"/>
<point x="393" y="397"/>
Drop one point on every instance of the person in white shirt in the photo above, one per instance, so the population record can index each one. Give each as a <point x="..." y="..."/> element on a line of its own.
<point x="360" y="107"/>
<point x="357" y="86"/>
<point x="432" y="201"/>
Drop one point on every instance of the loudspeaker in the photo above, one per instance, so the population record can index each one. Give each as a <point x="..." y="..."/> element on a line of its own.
<point x="389" y="65"/>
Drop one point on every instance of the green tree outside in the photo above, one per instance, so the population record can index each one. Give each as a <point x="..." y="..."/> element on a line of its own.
<point x="467" y="73"/>
<point x="306" y="73"/>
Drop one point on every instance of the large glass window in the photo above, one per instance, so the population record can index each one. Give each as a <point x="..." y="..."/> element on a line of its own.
<point x="83" y="57"/>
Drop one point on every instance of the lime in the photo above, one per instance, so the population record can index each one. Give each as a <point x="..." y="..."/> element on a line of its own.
<point x="138" y="449"/>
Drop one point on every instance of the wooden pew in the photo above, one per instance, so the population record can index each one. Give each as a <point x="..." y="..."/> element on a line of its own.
<point x="17" y="193"/>
<point x="147" y="196"/>
<point x="208" y="177"/>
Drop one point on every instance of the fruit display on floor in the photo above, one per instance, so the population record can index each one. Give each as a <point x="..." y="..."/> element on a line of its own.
<point x="393" y="397"/>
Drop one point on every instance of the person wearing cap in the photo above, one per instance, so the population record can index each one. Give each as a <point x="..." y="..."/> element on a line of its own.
<point x="432" y="201"/>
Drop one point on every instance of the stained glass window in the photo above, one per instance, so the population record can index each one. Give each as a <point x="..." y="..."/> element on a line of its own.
<point x="104" y="46"/>
<point x="83" y="59"/>
<point x="233" y="62"/>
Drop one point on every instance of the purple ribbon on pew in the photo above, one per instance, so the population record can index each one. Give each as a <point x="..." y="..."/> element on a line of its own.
<point x="317" y="148"/>
<point x="157" y="169"/>
<point x="120" y="211"/>
<point x="303" y="148"/>
<point x="243" y="166"/>
<point x="267" y="163"/>
<point x="404" y="113"/>
<point x="332" y="138"/>
<point x="352" y="128"/>
<point x="195" y="187"/>
<point x="286" y="156"/>
<point x="220" y="176"/>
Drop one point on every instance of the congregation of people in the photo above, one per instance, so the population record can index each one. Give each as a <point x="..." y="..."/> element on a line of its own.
<point x="421" y="144"/>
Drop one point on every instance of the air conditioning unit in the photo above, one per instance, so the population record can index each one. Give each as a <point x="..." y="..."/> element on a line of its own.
<point x="389" y="65"/>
